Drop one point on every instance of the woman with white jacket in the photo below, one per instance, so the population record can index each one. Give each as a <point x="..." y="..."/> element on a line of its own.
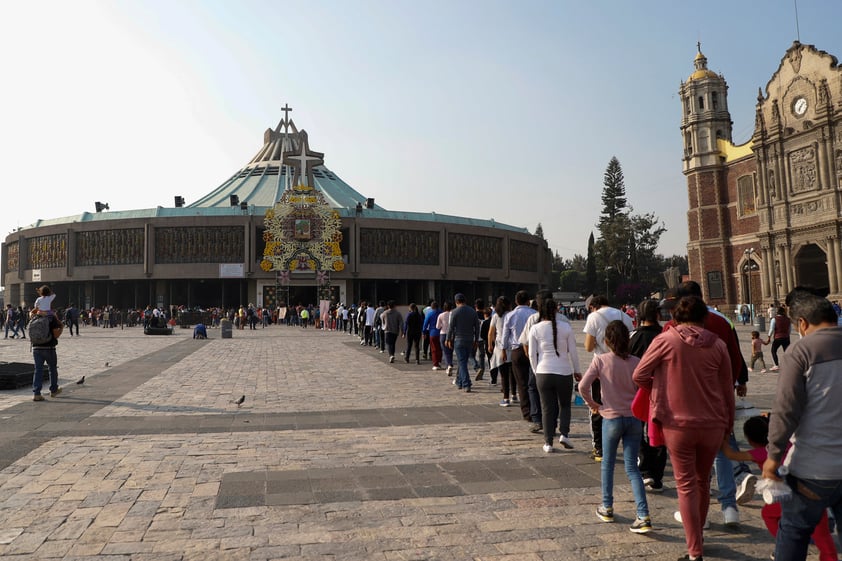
<point x="555" y="361"/>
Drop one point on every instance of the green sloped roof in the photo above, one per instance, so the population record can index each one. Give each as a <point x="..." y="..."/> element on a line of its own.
<point x="261" y="183"/>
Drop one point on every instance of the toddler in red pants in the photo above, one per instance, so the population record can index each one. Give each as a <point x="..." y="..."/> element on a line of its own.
<point x="756" y="431"/>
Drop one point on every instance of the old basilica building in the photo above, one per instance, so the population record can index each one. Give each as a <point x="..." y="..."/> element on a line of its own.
<point x="764" y="217"/>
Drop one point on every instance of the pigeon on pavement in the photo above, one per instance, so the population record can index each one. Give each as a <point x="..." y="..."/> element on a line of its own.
<point x="81" y="380"/>
<point x="240" y="401"/>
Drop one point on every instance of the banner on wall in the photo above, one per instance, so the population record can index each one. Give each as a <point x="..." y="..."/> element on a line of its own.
<point x="231" y="270"/>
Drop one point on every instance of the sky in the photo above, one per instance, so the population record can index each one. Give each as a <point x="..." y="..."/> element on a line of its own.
<point x="484" y="109"/>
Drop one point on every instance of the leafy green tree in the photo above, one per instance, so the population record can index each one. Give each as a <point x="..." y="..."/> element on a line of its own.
<point x="539" y="231"/>
<point x="627" y="242"/>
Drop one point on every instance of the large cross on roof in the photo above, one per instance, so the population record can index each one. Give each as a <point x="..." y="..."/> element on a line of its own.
<point x="303" y="160"/>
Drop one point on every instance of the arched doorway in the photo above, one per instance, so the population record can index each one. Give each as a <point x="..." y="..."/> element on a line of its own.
<point x="811" y="267"/>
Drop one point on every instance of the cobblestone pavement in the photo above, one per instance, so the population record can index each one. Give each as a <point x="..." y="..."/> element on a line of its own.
<point x="335" y="454"/>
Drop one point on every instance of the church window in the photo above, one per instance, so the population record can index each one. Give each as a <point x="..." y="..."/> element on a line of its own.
<point x="701" y="103"/>
<point x="714" y="100"/>
<point x="687" y="105"/>
<point x="688" y="144"/>
<point x="746" y="196"/>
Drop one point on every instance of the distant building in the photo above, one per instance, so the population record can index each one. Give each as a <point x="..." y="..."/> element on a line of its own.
<point x="764" y="216"/>
<point x="328" y="242"/>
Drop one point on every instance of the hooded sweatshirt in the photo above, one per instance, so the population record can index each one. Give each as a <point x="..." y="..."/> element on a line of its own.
<point x="688" y="371"/>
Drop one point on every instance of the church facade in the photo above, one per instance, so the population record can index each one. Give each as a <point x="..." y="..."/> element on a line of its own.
<point x="284" y="228"/>
<point x="765" y="216"/>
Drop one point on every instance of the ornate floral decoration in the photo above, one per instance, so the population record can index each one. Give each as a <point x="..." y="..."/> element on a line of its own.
<point x="302" y="233"/>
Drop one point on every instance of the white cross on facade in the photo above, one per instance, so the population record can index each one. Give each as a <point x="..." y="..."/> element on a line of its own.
<point x="304" y="160"/>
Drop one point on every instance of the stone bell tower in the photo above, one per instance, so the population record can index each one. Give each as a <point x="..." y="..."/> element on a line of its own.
<point x="704" y="120"/>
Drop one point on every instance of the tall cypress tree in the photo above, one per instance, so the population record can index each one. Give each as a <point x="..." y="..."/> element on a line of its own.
<point x="590" y="273"/>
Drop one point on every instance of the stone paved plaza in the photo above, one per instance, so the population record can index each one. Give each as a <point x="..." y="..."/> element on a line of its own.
<point x="335" y="455"/>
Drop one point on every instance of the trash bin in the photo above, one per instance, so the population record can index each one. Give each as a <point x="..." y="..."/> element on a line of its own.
<point x="226" y="328"/>
<point x="760" y="323"/>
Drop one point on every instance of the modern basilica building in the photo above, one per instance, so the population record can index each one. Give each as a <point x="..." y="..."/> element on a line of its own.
<point x="765" y="216"/>
<point x="282" y="228"/>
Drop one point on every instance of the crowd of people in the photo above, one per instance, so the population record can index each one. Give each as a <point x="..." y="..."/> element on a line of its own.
<point x="667" y="393"/>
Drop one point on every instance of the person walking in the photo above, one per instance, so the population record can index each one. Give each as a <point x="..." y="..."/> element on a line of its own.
<point x="806" y="414"/>
<point x="652" y="457"/>
<point x="551" y="346"/>
<point x="430" y="327"/>
<point x="44" y="353"/>
<point x="513" y="326"/>
<point x="498" y="362"/>
<point x="412" y="332"/>
<point x="392" y="321"/>
<point x="601" y="314"/>
<point x="780" y="329"/>
<point x="687" y="369"/>
<point x="614" y="371"/>
<point x="463" y="339"/>
<point x="72" y="318"/>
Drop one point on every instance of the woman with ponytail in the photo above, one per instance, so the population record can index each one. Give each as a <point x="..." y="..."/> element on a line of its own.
<point x="554" y="359"/>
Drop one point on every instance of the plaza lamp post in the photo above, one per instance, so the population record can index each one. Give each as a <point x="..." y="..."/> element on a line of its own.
<point x="748" y="254"/>
<point x="608" y="268"/>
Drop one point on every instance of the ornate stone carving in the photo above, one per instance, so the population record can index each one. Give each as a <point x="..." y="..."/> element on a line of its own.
<point x="794" y="58"/>
<point x="803" y="165"/>
<point x="772" y="184"/>
<point x="776" y="113"/>
<point x="839" y="162"/>
<point x="824" y="94"/>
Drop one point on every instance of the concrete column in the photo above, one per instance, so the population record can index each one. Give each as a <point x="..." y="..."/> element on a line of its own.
<point x="831" y="265"/>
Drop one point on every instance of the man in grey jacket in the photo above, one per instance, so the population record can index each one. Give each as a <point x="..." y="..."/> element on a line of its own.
<point x="806" y="414"/>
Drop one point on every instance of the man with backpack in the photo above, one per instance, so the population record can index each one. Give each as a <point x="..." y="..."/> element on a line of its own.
<point x="44" y="331"/>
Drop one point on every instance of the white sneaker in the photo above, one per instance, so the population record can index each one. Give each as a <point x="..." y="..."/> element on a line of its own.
<point x="745" y="489"/>
<point x="677" y="517"/>
<point x="548" y="448"/>
<point x="565" y="442"/>
<point x="731" y="516"/>
<point x="436" y="368"/>
<point x="449" y="370"/>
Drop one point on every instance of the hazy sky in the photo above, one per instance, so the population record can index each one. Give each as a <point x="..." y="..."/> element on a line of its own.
<point x="486" y="109"/>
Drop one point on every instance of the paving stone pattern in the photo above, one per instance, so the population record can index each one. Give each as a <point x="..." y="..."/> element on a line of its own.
<point x="335" y="454"/>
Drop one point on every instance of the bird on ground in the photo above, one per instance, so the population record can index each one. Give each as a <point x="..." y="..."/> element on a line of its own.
<point x="107" y="364"/>
<point x="240" y="401"/>
<point x="81" y="380"/>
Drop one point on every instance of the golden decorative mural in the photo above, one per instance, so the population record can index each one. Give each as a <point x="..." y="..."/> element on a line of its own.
<point x="302" y="233"/>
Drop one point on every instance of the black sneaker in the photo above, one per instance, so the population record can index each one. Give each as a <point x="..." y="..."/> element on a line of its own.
<point x="535" y="428"/>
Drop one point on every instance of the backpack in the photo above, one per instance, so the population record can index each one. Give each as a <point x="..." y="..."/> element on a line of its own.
<point x="39" y="330"/>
